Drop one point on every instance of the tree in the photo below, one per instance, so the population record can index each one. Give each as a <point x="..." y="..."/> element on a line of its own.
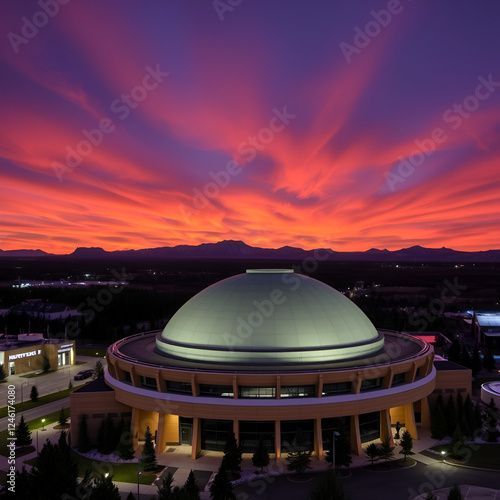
<point x="191" y="489"/>
<point x="3" y="375"/>
<point x="165" y="488"/>
<point x="386" y="450"/>
<point x="84" y="443"/>
<point x="54" y="473"/>
<point x="221" y="488"/>
<point x="478" y="417"/>
<point x="125" y="449"/>
<point x="23" y="433"/>
<point x="458" y="448"/>
<point x="467" y="421"/>
<point x="34" y="394"/>
<point x="372" y="452"/>
<point x="489" y="360"/>
<point x="63" y="418"/>
<point x="61" y="442"/>
<point x="232" y="455"/>
<point x="45" y="364"/>
<point x="329" y="487"/>
<point x="342" y="451"/>
<point x="70" y="385"/>
<point x="299" y="461"/>
<point x="260" y="458"/>
<point x="477" y="362"/>
<point x="99" y="488"/>
<point x="130" y="496"/>
<point x="148" y="452"/>
<point x="406" y="444"/>
<point x="98" y="370"/>
<point x="450" y="414"/>
<point x="492" y="418"/>
<point x="106" y="436"/>
<point x="455" y="494"/>
<point x="438" y="420"/>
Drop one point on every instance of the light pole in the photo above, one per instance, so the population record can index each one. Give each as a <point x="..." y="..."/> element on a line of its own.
<point x="43" y="424"/>
<point x="138" y="465"/>
<point x="22" y="394"/>
<point x="335" y="434"/>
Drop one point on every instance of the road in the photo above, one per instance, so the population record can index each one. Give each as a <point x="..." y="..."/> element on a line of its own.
<point x="363" y="484"/>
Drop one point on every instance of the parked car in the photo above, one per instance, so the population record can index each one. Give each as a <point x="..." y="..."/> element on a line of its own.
<point x="83" y="374"/>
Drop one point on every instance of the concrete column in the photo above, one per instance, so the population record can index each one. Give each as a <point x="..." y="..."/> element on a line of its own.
<point x="355" y="436"/>
<point x="134" y="426"/>
<point x="277" y="438"/>
<point x="196" y="441"/>
<point x="385" y="426"/>
<point x="410" y="424"/>
<point x="318" y="439"/>
<point x="160" y="434"/>
<point x="319" y="389"/>
<point x="425" y="413"/>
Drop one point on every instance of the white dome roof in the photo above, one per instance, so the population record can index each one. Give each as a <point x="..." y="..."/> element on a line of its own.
<point x="269" y="317"/>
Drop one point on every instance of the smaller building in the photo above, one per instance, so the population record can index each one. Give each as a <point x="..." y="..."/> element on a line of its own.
<point x="26" y="353"/>
<point x="487" y="330"/>
<point x="451" y="378"/>
<point x="491" y="391"/>
<point x="50" y="311"/>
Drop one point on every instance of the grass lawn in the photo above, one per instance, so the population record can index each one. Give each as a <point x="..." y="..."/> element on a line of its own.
<point x="33" y="425"/>
<point x="481" y="455"/>
<point x="37" y="374"/>
<point x="97" y="352"/>
<point x="42" y="400"/>
<point x="126" y="472"/>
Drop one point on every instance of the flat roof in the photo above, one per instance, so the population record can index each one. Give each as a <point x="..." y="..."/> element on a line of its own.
<point x="97" y="385"/>
<point x="448" y="365"/>
<point x="141" y="349"/>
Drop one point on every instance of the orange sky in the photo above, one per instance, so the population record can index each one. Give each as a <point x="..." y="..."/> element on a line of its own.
<point x="308" y="149"/>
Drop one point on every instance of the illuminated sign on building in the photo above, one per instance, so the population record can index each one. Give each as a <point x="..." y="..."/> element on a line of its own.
<point x="19" y="355"/>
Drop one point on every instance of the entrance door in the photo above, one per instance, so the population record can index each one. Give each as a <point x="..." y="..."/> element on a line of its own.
<point x="12" y="368"/>
<point x="186" y="433"/>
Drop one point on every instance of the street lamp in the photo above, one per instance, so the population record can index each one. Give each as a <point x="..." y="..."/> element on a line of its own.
<point x="138" y="464"/>
<point x="22" y="394"/>
<point x="335" y="434"/>
<point x="43" y="424"/>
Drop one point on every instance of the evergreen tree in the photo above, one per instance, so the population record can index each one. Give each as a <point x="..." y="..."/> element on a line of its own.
<point x="455" y="494"/>
<point x="221" y="488"/>
<point x="467" y="422"/>
<point x="63" y="419"/>
<point x="98" y="370"/>
<point x="489" y="360"/>
<point x="165" y="488"/>
<point x="477" y="362"/>
<point x="61" y="442"/>
<point x="130" y="496"/>
<point x="232" y="455"/>
<point x="100" y="488"/>
<point x="84" y="443"/>
<point x="117" y="433"/>
<point x="34" y="394"/>
<point x="125" y="449"/>
<point x="492" y="418"/>
<point x="23" y="433"/>
<point x="386" y="450"/>
<point x="406" y="444"/>
<point x="329" y="487"/>
<point x="458" y="447"/>
<point x="148" y="452"/>
<point x="106" y="436"/>
<point x="478" y="417"/>
<point x="372" y="452"/>
<point x="299" y="461"/>
<point x="54" y="473"/>
<point x="260" y="458"/>
<point x="70" y="385"/>
<point x="460" y="407"/>
<point x="450" y="413"/>
<point x="191" y="490"/>
<point x="3" y="376"/>
<point x="342" y="451"/>
<point x="438" y="420"/>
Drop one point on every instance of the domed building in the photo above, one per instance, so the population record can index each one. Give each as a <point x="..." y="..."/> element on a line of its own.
<point x="267" y="354"/>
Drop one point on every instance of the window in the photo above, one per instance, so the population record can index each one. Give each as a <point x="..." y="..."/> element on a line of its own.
<point x="214" y="433"/>
<point x="298" y="391"/>
<point x="398" y="379"/>
<point x="216" y="391"/>
<point x="252" y="432"/>
<point x="148" y="382"/>
<point x="297" y="434"/>
<point x="128" y="377"/>
<point x="179" y="387"/>
<point x="336" y="388"/>
<point x="369" y="426"/>
<point x="371" y="384"/>
<point x="257" y="392"/>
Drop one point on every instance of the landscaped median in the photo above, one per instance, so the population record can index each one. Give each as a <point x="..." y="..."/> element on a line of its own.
<point x="481" y="455"/>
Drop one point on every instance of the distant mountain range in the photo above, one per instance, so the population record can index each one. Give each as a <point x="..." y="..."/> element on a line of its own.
<point x="230" y="249"/>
